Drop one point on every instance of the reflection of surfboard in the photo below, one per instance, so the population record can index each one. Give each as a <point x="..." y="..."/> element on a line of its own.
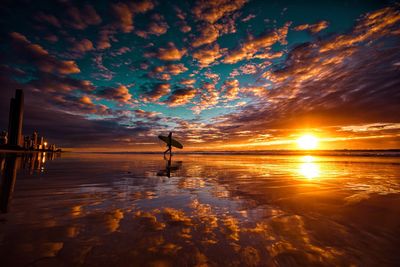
<point x="174" y="143"/>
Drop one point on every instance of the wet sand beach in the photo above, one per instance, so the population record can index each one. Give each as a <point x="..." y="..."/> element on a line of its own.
<point x="199" y="210"/>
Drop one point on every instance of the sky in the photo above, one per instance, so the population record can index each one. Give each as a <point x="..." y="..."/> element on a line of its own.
<point x="222" y="75"/>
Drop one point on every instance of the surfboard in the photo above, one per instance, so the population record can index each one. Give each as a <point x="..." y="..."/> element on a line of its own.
<point x="174" y="143"/>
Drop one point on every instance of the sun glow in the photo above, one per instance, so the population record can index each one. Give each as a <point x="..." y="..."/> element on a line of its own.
<point x="307" y="142"/>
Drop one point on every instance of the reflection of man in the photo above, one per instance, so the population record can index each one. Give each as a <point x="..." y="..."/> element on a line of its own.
<point x="168" y="167"/>
<point x="169" y="145"/>
<point x="167" y="171"/>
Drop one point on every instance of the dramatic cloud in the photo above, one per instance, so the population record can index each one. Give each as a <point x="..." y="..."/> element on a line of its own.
<point x="142" y="6"/>
<point x="248" y="69"/>
<point x="49" y="83"/>
<point x="214" y="72"/>
<point x="208" y="55"/>
<point x="79" y="105"/>
<point x="324" y="82"/>
<point x="120" y="94"/>
<point x="158" y="91"/>
<point x="208" y="34"/>
<point x="105" y="35"/>
<point x="376" y="24"/>
<point x="125" y="12"/>
<point x="34" y="53"/>
<point x="166" y="71"/>
<point x="253" y="45"/>
<point x="157" y="27"/>
<point x="124" y="16"/>
<point x="231" y="88"/>
<point x="176" y="69"/>
<point x="212" y="11"/>
<point x="170" y="53"/>
<point x="181" y="97"/>
<point x="188" y="81"/>
<point x="209" y="97"/>
<point x="173" y="69"/>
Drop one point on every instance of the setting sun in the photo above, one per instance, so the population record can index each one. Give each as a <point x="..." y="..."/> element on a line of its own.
<point x="307" y="142"/>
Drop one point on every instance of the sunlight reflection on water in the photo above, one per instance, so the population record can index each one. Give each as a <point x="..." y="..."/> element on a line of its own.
<point x="94" y="209"/>
<point x="308" y="168"/>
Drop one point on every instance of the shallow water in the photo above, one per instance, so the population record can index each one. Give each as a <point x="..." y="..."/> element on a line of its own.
<point x="215" y="210"/>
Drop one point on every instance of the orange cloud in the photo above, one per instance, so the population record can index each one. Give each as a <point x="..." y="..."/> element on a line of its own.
<point x="50" y="84"/>
<point x="212" y="11"/>
<point x="170" y="53"/>
<point x="85" y="100"/>
<point x="231" y="88"/>
<point x="120" y="94"/>
<point x="185" y="28"/>
<point x="181" y="97"/>
<point x="320" y="87"/>
<point x="313" y="28"/>
<point x="176" y="69"/>
<point x="187" y="81"/>
<point x="125" y="12"/>
<point x="208" y="55"/>
<point x="157" y="26"/>
<point x="105" y="34"/>
<point x="124" y="16"/>
<point x="165" y="72"/>
<point x="82" y="46"/>
<point x="212" y="76"/>
<point x="78" y="105"/>
<point x="40" y="57"/>
<point x="149" y="115"/>
<point x="208" y="34"/>
<point x="253" y="45"/>
<point x="142" y="6"/>
<point x="248" y="69"/>
<point x="157" y="92"/>
<point x="375" y="24"/>
<point x="209" y="97"/>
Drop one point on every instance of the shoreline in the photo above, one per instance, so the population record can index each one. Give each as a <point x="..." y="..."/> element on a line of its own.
<point x="365" y="153"/>
<point x="20" y="150"/>
<point x="339" y="152"/>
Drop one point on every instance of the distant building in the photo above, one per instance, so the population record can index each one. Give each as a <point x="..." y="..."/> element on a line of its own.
<point x="41" y="142"/>
<point x="15" y="119"/>
<point x="27" y="142"/>
<point x="34" y="140"/>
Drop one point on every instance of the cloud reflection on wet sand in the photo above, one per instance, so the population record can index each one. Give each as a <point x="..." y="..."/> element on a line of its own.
<point x="102" y="210"/>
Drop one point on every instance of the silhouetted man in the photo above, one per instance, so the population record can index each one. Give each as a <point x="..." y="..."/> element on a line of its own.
<point x="169" y="145"/>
